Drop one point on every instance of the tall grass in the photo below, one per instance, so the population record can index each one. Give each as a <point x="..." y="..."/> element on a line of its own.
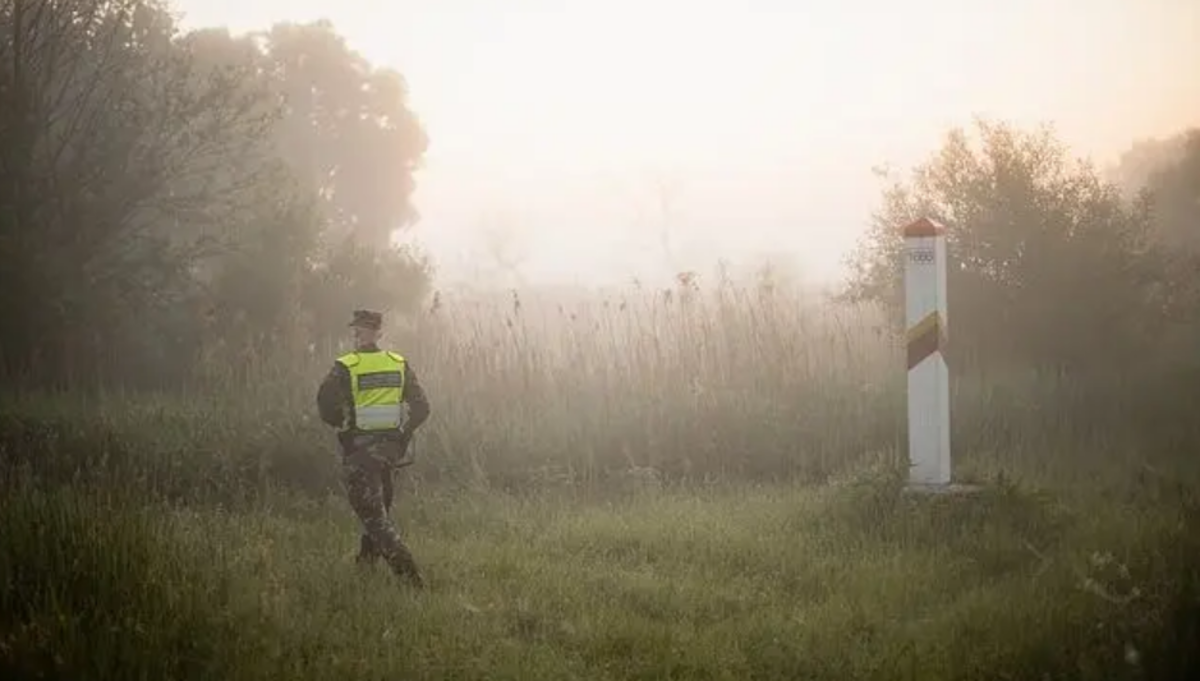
<point x="688" y="384"/>
<point x="201" y="535"/>
<point x="683" y="385"/>
<point x="691" y="384"/>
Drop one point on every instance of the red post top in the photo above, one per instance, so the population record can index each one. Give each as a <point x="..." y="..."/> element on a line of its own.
<point x="923" y="227"/>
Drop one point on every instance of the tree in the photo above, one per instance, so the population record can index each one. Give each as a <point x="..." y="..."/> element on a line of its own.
<point x="255" y="290"/>
<point x="1173" y="186"/>
<point x="393" y="280"/>
<point x="112" y="139"/>
<point x="171" y="199"/>
<point x="347" y="131"/>
<point x="1049" y="265"/>
<point x="1144" y="158"/>
<point x="350" y="139"/>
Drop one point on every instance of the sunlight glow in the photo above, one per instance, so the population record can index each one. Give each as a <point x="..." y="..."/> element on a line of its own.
<point x="763" y="119"/>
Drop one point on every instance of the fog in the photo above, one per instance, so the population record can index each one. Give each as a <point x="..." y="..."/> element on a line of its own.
<point x="653" y="448"/>
<point x="578" y="135"/>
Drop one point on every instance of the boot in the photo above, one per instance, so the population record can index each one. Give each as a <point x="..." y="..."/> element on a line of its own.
<point x="406" y="568"/>
<point x="414" y="578"/>
<point x="367" y="555"/>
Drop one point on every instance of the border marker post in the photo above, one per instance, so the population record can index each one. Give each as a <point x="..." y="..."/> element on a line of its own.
<point x="928" y="376"/>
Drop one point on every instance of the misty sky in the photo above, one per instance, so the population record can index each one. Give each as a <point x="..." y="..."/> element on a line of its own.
<point x="559" y="119"/>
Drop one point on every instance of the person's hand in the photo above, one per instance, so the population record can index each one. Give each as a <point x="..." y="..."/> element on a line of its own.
<point x="402" y="444"/>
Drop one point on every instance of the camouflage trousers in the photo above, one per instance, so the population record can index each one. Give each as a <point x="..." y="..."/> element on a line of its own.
<point x="364" y="470"/>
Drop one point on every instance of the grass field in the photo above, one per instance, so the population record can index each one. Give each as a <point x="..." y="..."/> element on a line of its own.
<point x="847" y="582"/>
<point x="727" y="505"/>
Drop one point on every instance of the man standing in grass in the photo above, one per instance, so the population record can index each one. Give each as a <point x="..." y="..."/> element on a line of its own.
<point x="364" y="396"/>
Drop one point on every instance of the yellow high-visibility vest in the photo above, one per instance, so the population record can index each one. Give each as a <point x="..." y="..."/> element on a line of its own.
<point x="377" y="388"/>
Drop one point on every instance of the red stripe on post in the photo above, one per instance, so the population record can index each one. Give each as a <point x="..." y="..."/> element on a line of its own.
<point x="924" y="346"/>
<point x="923" y="227"/>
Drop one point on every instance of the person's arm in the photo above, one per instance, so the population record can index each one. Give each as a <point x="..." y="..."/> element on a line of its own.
<point x="332" y="396"/>
<point x="418" y="401"/>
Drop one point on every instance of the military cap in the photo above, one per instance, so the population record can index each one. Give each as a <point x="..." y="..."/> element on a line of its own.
<point x="367" y="319"/>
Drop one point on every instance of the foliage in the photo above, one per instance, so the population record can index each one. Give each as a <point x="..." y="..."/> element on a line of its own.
<point x="99" y="588"/>
<point x="151" y="178"/>
<point x="729" y="382"/>
<point x="611" y="485"/>
<point x="734" y="582"/>
<point x="347" y="129"/>
<point x="650" y="386"/>
<point x="1049" y="266"/>
<point x="1175" y="192"/>
<point x="1166" y="174"/>
<point x="220" y="516"/>
<point x="1175" y="188"/>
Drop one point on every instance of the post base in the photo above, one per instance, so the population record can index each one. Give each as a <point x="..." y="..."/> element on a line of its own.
<point x="950" y="488"/>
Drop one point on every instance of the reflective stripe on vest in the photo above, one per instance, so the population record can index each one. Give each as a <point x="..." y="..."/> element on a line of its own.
<point x="376" y="387"/>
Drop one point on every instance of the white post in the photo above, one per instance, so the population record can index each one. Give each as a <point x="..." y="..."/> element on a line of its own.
<point x="928" y="376"/>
